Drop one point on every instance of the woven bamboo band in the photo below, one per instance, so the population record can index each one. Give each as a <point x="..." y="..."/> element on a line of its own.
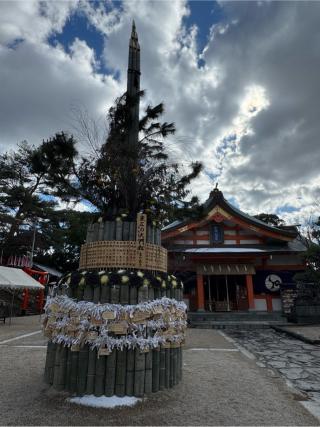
<point x="123" y="254"/>
<point x="117" y="278"/>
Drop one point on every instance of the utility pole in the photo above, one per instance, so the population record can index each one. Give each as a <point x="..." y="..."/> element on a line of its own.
<point x="33" y="242"/>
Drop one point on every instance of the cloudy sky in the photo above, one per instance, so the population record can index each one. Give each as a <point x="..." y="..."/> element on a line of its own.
<point x="239" y="79"/>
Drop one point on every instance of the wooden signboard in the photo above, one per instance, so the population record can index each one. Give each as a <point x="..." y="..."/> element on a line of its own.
<point x="141" y="240"/>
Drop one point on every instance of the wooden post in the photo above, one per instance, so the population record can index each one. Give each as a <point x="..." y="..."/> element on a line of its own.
<point x="200" y="292"/>
<point x="249" y="285"/>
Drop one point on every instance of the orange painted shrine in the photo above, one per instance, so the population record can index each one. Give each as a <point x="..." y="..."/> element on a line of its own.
<point x="230" y="261"/>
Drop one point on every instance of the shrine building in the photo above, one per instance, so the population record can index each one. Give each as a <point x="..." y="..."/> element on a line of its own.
<point x="230" y="261"/>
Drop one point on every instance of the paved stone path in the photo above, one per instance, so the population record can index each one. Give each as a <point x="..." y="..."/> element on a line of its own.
<point x="297" y="361"/>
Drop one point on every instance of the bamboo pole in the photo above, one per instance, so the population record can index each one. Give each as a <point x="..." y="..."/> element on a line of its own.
<point x="105" y="294"/>
<point x="148" y="372"/>
<point x="167" y="363"/>
<point x="171" y="367"/>
<point x="120" y="388"/>
<point x="133" y="295"/>
<point x="124" y="293"/>
<point x="162" y="373"/>
<point x="99" y="386"/>
<point x="114" y="294"/>
<point x="91" y="371"/>
<point x="110" y="374"/>
<point x="80" y="293"/>
<point x="88" y="293"/>
<point x="139" y="373"/>
<point x="68" y="370"/>
<point x="74" y="371"/>
<point x="96" y="293"/>
<point x="175" y="366"/>
<point x="82" y="370"/>
<point x="56" y="367"/>
<point x="62" y="368"/>
<point x="143" y="293"/>
<point x="130" y="372"/>
<point x="155" y="369"/>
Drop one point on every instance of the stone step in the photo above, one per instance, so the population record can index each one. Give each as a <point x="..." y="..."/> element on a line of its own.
<point x="234" y="325"/>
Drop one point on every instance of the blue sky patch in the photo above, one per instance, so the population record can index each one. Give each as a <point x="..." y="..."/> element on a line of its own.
<point x="204" y="14"/>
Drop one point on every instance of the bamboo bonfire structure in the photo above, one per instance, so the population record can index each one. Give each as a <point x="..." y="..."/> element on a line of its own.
<point x="116" y="326"/>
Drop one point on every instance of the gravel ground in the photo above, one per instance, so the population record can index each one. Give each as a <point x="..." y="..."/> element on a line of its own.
<point x="220" y="387"/>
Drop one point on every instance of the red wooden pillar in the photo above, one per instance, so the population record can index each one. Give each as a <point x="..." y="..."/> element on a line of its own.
<point x="25" y="301"/>
<point x="269" y="302"/>
<point x="200" y="293"/>
<point x="249" y="285"/>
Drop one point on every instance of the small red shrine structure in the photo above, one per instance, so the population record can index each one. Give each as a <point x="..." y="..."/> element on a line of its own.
<point x="230" y="261"/>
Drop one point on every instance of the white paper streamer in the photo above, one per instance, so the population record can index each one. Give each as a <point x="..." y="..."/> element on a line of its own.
<point x="63" y="312"/>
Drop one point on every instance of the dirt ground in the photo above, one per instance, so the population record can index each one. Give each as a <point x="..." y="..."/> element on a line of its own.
<point x="220" y="386"/>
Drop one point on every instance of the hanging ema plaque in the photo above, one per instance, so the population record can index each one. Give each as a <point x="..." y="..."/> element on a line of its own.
<point x="141" y="240"/>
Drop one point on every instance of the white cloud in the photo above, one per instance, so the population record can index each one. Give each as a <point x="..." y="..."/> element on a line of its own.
<point x="250" y="112"/>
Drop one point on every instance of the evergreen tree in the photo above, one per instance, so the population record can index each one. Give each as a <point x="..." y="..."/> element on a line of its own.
<point x="270" y="219"/>
<point x="126" y="178"/>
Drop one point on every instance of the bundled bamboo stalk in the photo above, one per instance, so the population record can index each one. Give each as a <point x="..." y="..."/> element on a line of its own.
<point x="96" y="293"/>
<point x="57" y="367"/>
<point x="130" y="372"/>
<point x="162" y="372"/>
<point x="143" y="293"/>
<point x="148" y="373"/>
<point x="124" y="293"/>
<point x="62" y="368"/>
<point x="172" y="367"/>
<point x="110" y="377"/>
<point x="68" y="369"/>
<point x="133" y="295"/>
<point x="155" y="369"/>
<point x="88" y="292"/>
<point x="104" y="292"/>
<point x="100" y="376"/>
<point x="175" y="366"/>
<point x="167" y="364"/>
<point x="80" y="293"/>
<point x="120" y="388"/>
<point x="50" y="359"/>
<point x="114" y="293"/>
<point x="139" y="373"/>
<point x="74" y="371"/>
<point x="91" y="372"/>
<point x="82" y="370"/>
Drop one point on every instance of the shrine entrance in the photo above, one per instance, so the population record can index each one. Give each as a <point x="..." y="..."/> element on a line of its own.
<point x="225" y="293"/>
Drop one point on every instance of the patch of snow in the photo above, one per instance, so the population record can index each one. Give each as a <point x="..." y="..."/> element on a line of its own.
<point x="104" y="401"/>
